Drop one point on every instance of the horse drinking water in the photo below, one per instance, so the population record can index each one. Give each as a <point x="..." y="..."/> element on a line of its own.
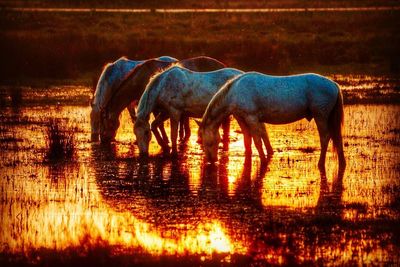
<point x="254" y="99"/>
<point x="110" y="79"/>
<point x="131" y="89"/>
<point x="177" y="91"/>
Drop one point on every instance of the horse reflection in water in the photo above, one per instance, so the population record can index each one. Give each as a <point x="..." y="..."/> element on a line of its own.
<point x="158" y="190"/>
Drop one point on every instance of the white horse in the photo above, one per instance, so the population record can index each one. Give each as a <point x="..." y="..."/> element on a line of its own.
<point x="132" y="87"/>
<point x="254" y="99"/>
<point x="110" y="79"/>
<point x="177" y="91"/>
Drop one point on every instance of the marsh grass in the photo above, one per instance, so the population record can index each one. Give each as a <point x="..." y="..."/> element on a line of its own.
<point x="60" y="141"/>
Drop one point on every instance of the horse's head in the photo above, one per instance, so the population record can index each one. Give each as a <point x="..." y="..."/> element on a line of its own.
<point x="210" y="139"/>
<point x="143" y="135"/>
<point x="109" y="123"/>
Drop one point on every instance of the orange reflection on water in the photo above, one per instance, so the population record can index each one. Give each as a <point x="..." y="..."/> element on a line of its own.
<point x="182" y="206"/>
<point x="70" y="212"/>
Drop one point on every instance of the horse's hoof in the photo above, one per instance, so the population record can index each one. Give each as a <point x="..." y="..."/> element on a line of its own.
<point x="265" y="161"/>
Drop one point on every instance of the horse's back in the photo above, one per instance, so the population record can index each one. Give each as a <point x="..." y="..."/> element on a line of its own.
<point x="202" y="63"/>
<point x="284" y="99"/>
<point x="286" y="86"/>
<point x="189" y="90"/>
<point x="167" y="59"/>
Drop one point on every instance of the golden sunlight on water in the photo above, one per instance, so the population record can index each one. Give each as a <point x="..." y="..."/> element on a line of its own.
<point x="107" y="196"/>
<point x="70" y="211"/>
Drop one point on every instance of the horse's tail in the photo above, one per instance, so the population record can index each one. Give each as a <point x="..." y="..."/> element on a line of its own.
<point x="335" y="123"/>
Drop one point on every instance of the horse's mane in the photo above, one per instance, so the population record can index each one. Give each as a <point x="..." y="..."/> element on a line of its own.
<point x="213" y="108"/>
<point x="162" y="70"/>
<point x="146" y="105"/>
<point x="133" y="72"/>
<point x="98" y="95"/>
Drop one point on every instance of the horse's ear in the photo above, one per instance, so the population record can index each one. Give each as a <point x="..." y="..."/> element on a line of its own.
<point x="198" y="122"/>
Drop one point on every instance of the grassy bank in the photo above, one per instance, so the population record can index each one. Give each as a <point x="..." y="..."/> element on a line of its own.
<point x="75" y="46"/>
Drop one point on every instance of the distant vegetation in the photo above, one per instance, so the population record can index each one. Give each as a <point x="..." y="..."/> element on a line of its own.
<point x="77" y="45"/>
<point x="199" y="4"/>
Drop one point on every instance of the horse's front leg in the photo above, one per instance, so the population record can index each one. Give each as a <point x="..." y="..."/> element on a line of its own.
<point x="256" y="132"/>
<point x="246" y="136"/>
<point x="174" y="118"/>
<point x="132" y="111"/>
<point x="163" y="133"/>
<point x="225" y="128"/>
<point x="155" y="125"/>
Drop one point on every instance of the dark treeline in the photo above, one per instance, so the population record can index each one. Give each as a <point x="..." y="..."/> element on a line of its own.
<point x="72" y="46"/>
<point x="198" y="4"/>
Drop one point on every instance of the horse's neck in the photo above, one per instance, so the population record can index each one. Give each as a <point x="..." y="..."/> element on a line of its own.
<point x="149" y="97"/>
<point x="133" y="88"/>
<point x="143" y="75"/>
<point x="216" y="116"/>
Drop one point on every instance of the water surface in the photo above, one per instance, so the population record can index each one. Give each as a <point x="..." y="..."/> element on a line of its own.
<point x="108" y="201"/>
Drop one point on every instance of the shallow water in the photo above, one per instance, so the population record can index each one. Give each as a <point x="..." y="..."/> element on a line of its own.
<point x="238" y="212"/>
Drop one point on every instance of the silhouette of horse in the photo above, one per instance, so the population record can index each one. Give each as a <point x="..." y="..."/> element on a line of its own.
<point x="131" y="89"/>
<point x="177" y="91"/>
<point x="254" y="99"/>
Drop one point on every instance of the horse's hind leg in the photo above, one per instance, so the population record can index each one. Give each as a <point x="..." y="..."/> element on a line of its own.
<point x="256" y="132"/>
<point x="158" y="123"/>
<point x="174" y="118"/>
<point x="258" y="143"/>
<point x="246" y="136"/>
<point x="265" y="138"/>
<point x="324" y="137"/>
<point x="184" y="129"/>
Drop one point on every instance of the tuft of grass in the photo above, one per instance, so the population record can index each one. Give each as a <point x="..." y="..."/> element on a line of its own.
<point x="60" y="141"/>
<point x="307" y="149"/>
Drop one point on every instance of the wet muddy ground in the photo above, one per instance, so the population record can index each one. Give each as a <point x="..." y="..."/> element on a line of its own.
<point x="104" y="205"/>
